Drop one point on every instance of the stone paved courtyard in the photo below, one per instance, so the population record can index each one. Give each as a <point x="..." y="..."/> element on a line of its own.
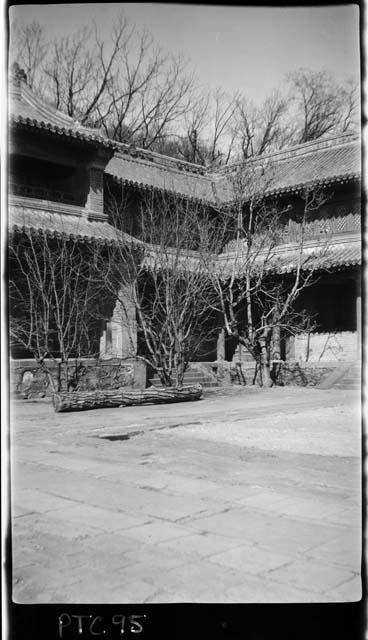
<point x="245" y="496"/>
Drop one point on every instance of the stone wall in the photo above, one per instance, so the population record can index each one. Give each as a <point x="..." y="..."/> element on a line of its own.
<point x="27" y="379"/>
<point x="336" y="346"/>
<point x="288" y="373"/>
<point x="303" y="374"/>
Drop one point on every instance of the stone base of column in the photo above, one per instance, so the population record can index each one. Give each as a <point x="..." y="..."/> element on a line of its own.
<point x="242" y="355"/>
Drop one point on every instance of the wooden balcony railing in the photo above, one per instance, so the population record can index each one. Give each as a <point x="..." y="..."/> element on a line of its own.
<point x="42" y="193"/>
<point x="318" y="229"/>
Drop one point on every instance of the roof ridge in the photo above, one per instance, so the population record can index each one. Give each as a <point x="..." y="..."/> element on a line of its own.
<point x="150" y="156"/>
<point x="296" y="150"/>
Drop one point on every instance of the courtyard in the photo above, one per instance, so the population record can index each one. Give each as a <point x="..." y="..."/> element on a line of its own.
<point x="247" y="495"/>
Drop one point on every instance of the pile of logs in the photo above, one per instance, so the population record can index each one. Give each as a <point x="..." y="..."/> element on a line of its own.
<point x="100" y="399"/>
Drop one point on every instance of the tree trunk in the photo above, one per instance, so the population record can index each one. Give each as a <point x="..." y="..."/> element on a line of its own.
<point x="265" y="364"/>
<point x="81" y="401"/>
<point x="266" y="375"/>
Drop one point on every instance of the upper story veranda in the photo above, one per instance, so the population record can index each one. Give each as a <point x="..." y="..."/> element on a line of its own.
<point x="59" y="168"/>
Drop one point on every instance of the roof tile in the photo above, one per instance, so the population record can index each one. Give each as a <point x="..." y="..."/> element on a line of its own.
<point x="319" y="162"/>
<point x="59" y="224"/>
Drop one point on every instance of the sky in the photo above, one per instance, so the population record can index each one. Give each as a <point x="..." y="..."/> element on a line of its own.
<point x="236" y="48"/>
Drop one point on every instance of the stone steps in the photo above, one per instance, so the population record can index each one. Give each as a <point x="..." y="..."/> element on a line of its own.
<point x="350" y="379"/>
<point x="346" y="375"/>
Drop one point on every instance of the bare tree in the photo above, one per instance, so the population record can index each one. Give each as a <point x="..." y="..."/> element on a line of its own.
<point x="223" y="110"/>
<point x="134" y="92"/>
<point x="350" y="107"/>
<point x="29" y="47"/>
<point x="261" y="130"/>
<point x="125" y="84"/>
<point x="56" y="300"/>
<point x="159" y="274"/>
<point x="80" y="70"/>
<point x="189" y="144"/>
<point x="321" y="106"/>
<point x="256" y="303"/>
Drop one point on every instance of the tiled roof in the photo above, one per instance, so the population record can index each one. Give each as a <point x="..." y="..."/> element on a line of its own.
<point x="77" y="227"/>
<point x="320" y="162"/>
<point x="27" y="109"/>
<point x="145" y="169"/>
<point x="347" y="254"/>
<point x="324" y="161"/>
<point x="339" y="253"/>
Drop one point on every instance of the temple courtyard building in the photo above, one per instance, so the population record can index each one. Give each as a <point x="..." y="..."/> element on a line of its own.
<point x="63" y="178"/>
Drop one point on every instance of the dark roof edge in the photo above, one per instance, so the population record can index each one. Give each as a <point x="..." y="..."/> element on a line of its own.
<point x="68" y="132"/>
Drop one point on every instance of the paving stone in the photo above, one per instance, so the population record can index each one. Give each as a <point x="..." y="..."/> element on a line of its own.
<point x="241" y="524"/>
<point x="229" y="494"/>
<point x="75" y="463"/>
<point x="27" y="581"/>
<point x="255" y="589"/>
<point x="260" y="498"/>
<point x="181" y="485"/>
<point x="200" y="578"/>
<point x="104" y="519"/>
<point x="279" y="535"/>
<point x="18" y="510"/>
<point x="349" y="591"/>
<point x="345" y="550"/>
<point x="351" y="516"/>
<point x="302" y="508"/>
<point x="314" y="576"/>
<point x="39" y="501"/>
<point x="48" y="524"/>
<point x="158" y="532"/>
<point x="152" y="561"/>
<point x="103" y="592"/>
<point x="201" y="545"/>
<point x="136" y="592"/>
<point x="250" y="559"/>
<point x="227" y="489"/>
<point x="117" y="542"/>
<point x="48" y="546"/>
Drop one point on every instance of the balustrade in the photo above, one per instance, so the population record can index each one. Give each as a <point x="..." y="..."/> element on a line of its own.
<point x="42" y="193"/>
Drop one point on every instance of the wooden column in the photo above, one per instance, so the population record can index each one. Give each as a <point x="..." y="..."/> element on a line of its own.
<point x="95" y="197"/>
